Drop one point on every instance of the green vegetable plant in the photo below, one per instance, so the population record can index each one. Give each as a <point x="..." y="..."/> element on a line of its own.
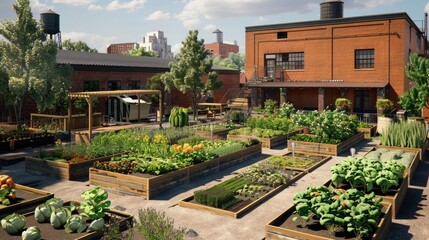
<point x="75" y="224"/>
<point x="13" y="223"/>
<point x="95" y="206"/>
<point x="43" y="212"/>
<point x="59" y="217"/>
<point x="31" y="233"/>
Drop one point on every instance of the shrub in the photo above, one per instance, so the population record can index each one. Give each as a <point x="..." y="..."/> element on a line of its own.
<point x="343" y="104"/>
<point x="286" y="110"/>
<point x="270" y="107"/>
<point x="154" y="225"/>
<point x="385" y="106"/>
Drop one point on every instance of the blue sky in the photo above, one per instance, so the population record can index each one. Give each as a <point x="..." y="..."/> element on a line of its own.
<point x="101" y="22"/>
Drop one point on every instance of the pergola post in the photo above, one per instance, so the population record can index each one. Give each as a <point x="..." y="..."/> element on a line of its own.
<point x="138" y="106"/>
<point x="89" y="100"/>
<point x="69" y="113"/>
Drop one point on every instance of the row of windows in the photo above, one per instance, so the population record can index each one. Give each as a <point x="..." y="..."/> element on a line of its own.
<point x="364" y="58"/>
<point x="90" y="86"/>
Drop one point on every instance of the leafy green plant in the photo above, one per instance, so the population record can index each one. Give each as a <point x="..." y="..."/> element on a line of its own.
<point x="31" y="233"/>
<point x="386" y="106"/>
<point x="270" y="107"/>
<point x="13" y="223"/>
<point x="343" y="104"/>
<point x="155" y="225"/>
<point x="215" y="196"/>
<point x="59" y="217"/>
<point x="404" y="134"/>
<point x="286" y="110"/>
<point x="75" y="223"/>
<point x="95" y="204"/>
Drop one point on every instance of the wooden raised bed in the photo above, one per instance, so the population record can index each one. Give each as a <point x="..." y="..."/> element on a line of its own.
<point x="149" y="186"/>
<point x="69" y="171"/>
<point x="312" y="167"/>
<point x="189" y="202"/>
<point x="26" y="197"/>
<point x="267" y="142"/>
<point x="422" y="151"/>
<point x="219" y="134"/>
<point x="48" y="232"/>
<point x="395" y="197"/>
<point x="410" y="170"/>
<point x="282" y="227"/>
<point x="369" y="132"/>
<point x="324" y="148"/>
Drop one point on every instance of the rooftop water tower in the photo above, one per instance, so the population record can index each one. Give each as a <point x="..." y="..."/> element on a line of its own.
<point x="218" y="36"/>
<point x="51" y="25"/>
<point x="331" y="9"/>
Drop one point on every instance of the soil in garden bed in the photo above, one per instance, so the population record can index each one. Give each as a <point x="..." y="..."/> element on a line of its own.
<point x="301" y="160"/>
<point x="21" y="196"/>
<point x="313" y="227"/>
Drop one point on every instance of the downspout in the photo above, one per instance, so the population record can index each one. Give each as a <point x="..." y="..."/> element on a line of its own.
<point x="332" y="53"/>
<point x="388" y="57"/>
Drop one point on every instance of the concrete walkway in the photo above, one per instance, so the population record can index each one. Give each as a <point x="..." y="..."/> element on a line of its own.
<point x="411" y="224"/>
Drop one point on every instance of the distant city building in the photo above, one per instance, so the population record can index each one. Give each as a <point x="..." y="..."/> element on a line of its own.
<point x="156" y="42"/>
<point x="122" y="48"/>
<point x="218" y="48"/>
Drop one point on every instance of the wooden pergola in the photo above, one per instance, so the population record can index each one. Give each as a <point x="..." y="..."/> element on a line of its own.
<point x="88" y="96"/>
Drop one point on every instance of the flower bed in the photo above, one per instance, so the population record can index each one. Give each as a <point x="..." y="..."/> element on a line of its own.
<point x="149" y="186"/>
<point x="237" y="196"/>
<point x="325" y="148"/>
<point x="408" y="157"/>
<point x="26" y="197"/>
<point x="301" y="162"/>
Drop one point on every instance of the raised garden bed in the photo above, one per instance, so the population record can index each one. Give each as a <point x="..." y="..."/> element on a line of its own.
<point x="149" y="186"/>
<point x="267" y="142"/>
<point x="324" y="148"/>
<point x="412" y="167"/>
<point x="69" y="171"/>
<point x="48" y="232"/>
<point x="217" y="134"/>
<point x="302" y="162"/>
<point x="368" y="132"/>
<point x="395" y="196"/>
<point x="26" y="198"/>
<point x="245" y="205"/>
<point x="421" y="155"/>
<point x="282" y="227"/>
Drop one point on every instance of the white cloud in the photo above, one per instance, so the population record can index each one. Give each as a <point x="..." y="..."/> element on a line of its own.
<point x="38" y="7"/>
<point x="194" y="10"/>
<point x="158" y="16"/>
<point x="210" y="28"/>
<point x="93" y="40"/>
<point x="75" y="2"/>
<point x="427" y="7"/>
<point x="176" y="48"/>
<point x="131" y="5"/>
<point x="95" y="7"/>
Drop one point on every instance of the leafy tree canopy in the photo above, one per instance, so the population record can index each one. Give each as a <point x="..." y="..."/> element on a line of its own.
<point x="234" y="60"/>
<point x="78" y="46"/>
<point x="141" y="52"/>
<point x="29" y="62"/>
<point x="189" y="66"/>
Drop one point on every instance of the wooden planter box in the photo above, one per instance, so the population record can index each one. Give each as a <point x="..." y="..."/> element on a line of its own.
<point x="267" y="142"/>
<point x="277" y="228"/>
<point x="422" y="151"/>
<point x="312" y="167"/>
<point x="410" y="170"/>
<point x="48" y="232"/>
<point x="324" y="148"/>
<point x="220" y="134"/>
<point x="149" y="186"/>
<point x="397" y="196"/>
<point x="26" y="198"/>
<point x="369" y="132"/>
<point x="69" y="171"/>
<point x="188" y="201"/>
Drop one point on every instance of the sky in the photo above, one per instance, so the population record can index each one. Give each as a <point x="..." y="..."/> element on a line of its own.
<point x="102" y="22"/>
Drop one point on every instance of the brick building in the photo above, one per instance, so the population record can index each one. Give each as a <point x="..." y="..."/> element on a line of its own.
<point x="121" y="48"/>
<point x="312" y="63"/>
<point x="219" y="48"/>
<point x="98" y="71"/>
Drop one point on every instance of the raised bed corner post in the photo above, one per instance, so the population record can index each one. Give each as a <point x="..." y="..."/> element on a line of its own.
<point x="69" y="113"/>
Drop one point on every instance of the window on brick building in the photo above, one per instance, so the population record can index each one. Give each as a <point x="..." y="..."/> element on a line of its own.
<point x="364" y="58"/>
<point x="113" y="85"/>
<point x="134" y="85"/>
<point x="91" y="86"/>
<point x="281" y="35"/>
<point x="293" y="60"/>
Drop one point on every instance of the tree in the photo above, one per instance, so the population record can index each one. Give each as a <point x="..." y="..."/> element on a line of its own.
<point x="234" y="60"/>
<point x="417" y="70"/>
<point x="188" y="67"/>
<point x="160" y="82"/>
<point x="78" y="46"/>
<point x="30" y="62"/>
<point x="141" y="52"/>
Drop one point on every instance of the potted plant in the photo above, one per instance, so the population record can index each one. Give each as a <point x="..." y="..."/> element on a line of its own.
<point x="386" y="107"/>
<point x="343" y="104"/>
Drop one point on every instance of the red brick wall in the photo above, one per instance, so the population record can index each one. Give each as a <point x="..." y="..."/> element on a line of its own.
<point x="222" y="49"/>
